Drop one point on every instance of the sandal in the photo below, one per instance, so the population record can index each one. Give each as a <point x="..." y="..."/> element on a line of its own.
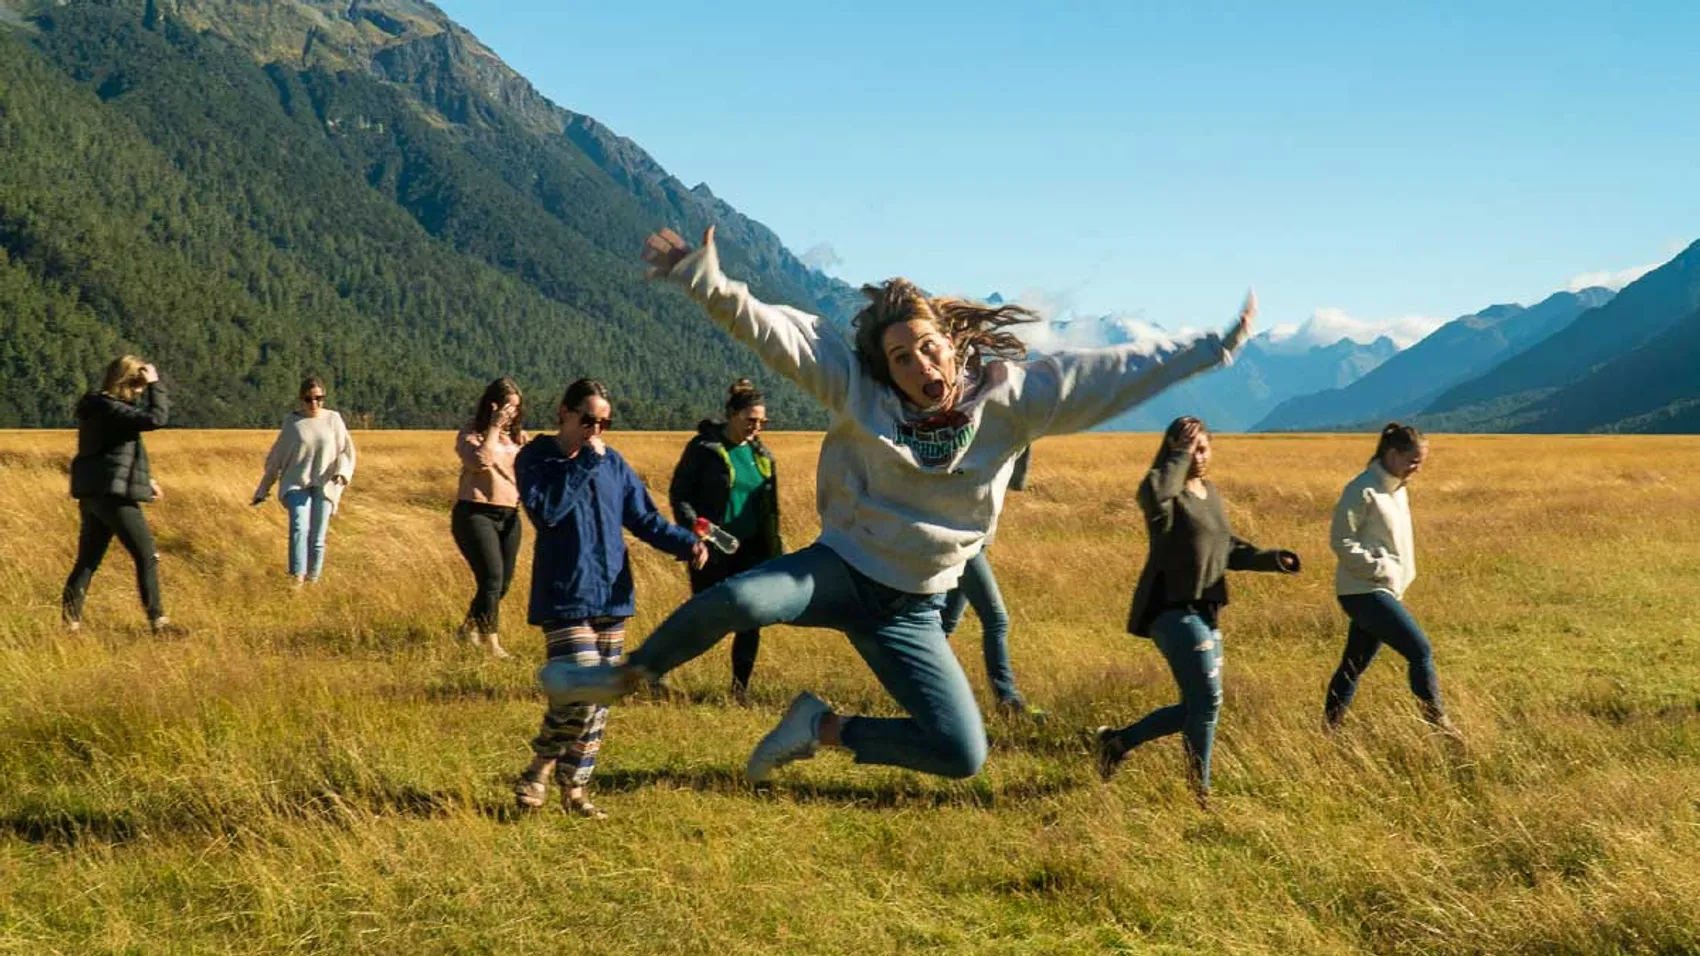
<point x="532" y="787"/>
<point x="581" y="806"/>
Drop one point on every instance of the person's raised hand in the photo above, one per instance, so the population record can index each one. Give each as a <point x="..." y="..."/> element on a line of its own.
<point x="1188" y="438"/>
<point x="664" y="249"/>
<point x="1248" y="315"/>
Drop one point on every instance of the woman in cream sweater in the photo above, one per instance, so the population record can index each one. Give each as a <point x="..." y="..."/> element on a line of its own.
<point x="311" y="462"/>
<point x="1372" y="538"/>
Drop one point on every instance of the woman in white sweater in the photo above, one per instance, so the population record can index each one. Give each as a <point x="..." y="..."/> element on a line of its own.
<point x="311" y="462"/>
<point x="930" y="405"/>
<point x="1372" y="538"/>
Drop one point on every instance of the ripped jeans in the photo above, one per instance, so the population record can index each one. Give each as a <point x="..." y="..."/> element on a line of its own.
<point x="1194" y="652"/>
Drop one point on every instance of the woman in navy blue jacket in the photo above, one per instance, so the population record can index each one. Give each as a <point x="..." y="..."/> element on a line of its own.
<point x="579" y="493"/>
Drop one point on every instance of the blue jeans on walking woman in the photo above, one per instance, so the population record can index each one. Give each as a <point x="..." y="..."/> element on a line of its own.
<point x="309" y="519"/>
<point x="1194" y="652"/>
<point x="1379" y="618"/>
<point x="897" y="633"/>
<point x="979" y="588"/>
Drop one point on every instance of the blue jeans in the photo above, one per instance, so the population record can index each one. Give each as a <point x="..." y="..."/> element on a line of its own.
<point x="897" y="633"/>
<point x="309" y="518"/>
<point x="980" y="588"/>
<point x="1194" y="653"/>
<point x="1378" y="618"/>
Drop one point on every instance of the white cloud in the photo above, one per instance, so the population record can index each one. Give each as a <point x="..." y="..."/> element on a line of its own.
<point x="1329" y="325"/>
<point x="821" y="257"/>
<point x="1611" y="280"/>
<point x="1615" y="280"/>
<point x="1063" y="328"/>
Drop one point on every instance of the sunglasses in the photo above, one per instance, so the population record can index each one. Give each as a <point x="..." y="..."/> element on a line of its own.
<point x="315" y="399"/>
<point x="759" y="422"/>
<point x="590" y="421"/>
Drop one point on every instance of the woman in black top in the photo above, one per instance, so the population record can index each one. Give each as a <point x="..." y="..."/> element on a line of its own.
<point x="110" y="480"/>
<point x="728" y="476"/>
<point x="1180" y="592"/>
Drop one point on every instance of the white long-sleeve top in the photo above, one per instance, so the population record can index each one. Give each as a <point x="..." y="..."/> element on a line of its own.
<point x="307" y="454"/>
<point x="904" y="498"/>
<point x="1371" y="535"/>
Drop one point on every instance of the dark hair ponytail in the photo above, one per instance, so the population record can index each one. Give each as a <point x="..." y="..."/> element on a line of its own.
<point x="1397" y="437"/>
<point x="582" y="389"/>
<point x="743" y="394"/>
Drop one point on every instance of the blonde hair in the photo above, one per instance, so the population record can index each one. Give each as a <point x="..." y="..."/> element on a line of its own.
<point x="976" y="331"/>
<point x="123" y="379"/>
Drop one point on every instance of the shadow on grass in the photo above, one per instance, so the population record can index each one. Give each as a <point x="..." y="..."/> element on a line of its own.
<point x="71" y="826"/>
<point x="909" y="793"/>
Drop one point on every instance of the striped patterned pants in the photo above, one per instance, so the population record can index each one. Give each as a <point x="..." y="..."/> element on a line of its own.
<point x="572" y="735"/>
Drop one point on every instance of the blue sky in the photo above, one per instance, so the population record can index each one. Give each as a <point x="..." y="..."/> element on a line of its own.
<point x="1392" y="167"/>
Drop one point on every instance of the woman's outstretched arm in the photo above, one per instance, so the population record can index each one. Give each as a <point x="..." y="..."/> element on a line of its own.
<point x="1073" y="390"/>
<point x="790" y="341"/>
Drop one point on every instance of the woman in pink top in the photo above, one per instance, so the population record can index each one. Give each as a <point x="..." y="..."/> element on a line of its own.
<point x="485" y="520"/>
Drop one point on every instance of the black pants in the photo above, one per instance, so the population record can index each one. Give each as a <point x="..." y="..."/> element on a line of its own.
<point x="745" y="644"/>
<point x="488" y="537"/>
<point x="104" y="517"/>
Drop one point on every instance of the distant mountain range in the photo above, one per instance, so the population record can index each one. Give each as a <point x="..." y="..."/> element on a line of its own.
<point x="1456" y="352"/>
<point x="1628" y="365"/>
<point x="1589" y="361"/>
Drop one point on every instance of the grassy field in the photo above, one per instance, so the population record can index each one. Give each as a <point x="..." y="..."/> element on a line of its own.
<point x="329" y="771"/>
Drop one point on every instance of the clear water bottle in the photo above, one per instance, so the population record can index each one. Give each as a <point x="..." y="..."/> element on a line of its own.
<point x="716" y="535"/>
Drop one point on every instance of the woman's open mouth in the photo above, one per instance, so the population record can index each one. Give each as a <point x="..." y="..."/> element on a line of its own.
<point x="933" y="390"/>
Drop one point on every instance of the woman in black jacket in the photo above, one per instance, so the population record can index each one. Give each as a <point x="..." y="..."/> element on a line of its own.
<point x="110" y="480"/>
<point x="1180" y="592"/>
<point x="727" y="476"/>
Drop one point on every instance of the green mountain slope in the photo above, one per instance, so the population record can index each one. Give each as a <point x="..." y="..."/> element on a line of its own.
<point x="246" y="220"/>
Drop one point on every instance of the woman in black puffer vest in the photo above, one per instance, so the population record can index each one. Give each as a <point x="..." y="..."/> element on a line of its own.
<point x="110" y="480"/>
<point x="727" y="476"/>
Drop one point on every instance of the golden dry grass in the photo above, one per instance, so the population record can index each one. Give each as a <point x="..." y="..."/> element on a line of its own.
<point x="329" y="772"/>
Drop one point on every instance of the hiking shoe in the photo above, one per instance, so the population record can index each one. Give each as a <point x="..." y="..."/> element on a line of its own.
<point x="795" y="737"/>
<point x="1107" y="752"/>
<point x="1444" y="726"/>
<point x="165" y="627"/>
<point x="567" y="683"/>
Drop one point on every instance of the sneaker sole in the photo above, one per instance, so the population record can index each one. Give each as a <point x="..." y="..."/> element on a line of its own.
<point x="564" y="684"/>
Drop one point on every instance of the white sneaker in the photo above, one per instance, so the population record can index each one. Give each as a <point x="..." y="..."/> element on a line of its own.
<point x="796" y="737"/>
<point x="568" y="683"/>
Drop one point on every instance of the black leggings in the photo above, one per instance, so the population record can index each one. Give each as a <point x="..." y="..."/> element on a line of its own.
<point x="488" y="537"/>
<point x="104" y="517"/>
<point x="745" y="644"/>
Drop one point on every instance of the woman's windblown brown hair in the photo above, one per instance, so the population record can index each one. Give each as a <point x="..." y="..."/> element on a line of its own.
<point x="977" y="331"/>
